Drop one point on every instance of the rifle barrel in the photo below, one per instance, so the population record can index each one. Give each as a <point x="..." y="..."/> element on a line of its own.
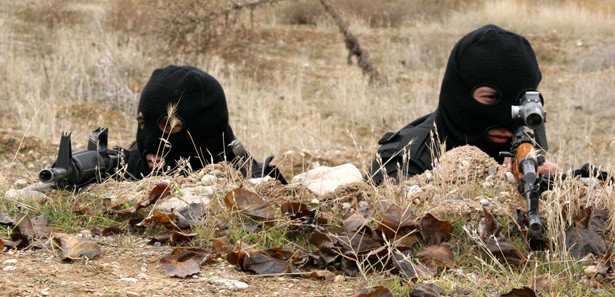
<point x="53" y="174"/>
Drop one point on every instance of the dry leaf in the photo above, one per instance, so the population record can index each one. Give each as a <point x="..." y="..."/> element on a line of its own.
<point x="249" y="203"/>
<point x="297" y="210"/>
<point x="435" y="231"/>
<point x="523" y="292"/>
<point x="375" y="291"/>
<point x="222" y="245"/>
<point x="324" y="243"/>
<point x="353" y="222"/>
<point x="489" y="226"/>
<point x="439" y="254"/>
<point x="396" y="223"/>
<point x="359" y="243"/>
<point x="505" y="251"/>
<point x="425" y="290"/>
<point x="321" y="274"/>
<point x="410" y="270"/>
<point x="261" y="262"/>
<point x="7" y="220"/>
<point x="35" y="228"/>
<point x="178" y="238"/>
<point x="74" y="248"/>
<point x="183" y="262"/>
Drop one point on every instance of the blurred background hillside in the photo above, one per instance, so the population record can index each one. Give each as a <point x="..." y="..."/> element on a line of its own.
<point x="76" y="64"/>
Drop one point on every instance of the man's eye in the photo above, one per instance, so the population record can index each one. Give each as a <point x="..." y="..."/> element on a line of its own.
<point x="486" y="95"/>
<point x="140" y="121"/>
<point x="170" y="125"/>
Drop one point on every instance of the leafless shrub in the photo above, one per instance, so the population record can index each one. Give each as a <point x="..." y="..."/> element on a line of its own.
<point x="377" y="14"/>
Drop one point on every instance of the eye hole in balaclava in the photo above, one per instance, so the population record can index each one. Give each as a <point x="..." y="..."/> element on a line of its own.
<point x="487" y="95"/>
<point x="170" y="124"/>
<point x="141" y="121"/>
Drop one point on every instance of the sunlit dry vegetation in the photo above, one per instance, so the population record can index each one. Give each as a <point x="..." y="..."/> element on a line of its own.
<point x="76" y="65"/>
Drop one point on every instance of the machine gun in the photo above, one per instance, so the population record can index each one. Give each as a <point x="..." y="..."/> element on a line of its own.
<point x="529" y="143"/>
<point x="83" y="167"/>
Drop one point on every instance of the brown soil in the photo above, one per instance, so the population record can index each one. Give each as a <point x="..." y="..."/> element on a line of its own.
<point x="130" y="267"/>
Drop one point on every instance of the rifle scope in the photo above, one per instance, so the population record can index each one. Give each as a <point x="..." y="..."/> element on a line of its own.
<point x="530" y="111"/>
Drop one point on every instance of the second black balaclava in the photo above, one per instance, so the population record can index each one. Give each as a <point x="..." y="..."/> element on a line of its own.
<point x="489" y="56"/>
<point x="200" y="105"/>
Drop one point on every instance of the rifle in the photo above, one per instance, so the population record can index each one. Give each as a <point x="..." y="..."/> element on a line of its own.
<point x="527" y="153"/>
<point x="84" y="167"/>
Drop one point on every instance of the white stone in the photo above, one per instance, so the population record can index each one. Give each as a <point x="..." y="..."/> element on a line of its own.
<point x="20" y="184"/>
<point x="510" y="177"/>
<point x="198" y="194"/>
<point x="484" y="202"/>
<point x="209" y="179"/>
<point x="24" y="194"/>
<point x="228" y="283"/>
<point x="413" y="189"/>
<point x="129" y="279"/>
<point x="325" y="179"/>
<point x="9" y="261"/>
<point x="9" y="268"/>
<point x="259" y="180"/>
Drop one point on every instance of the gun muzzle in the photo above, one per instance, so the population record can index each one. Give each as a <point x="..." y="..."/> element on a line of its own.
<point x="534" y="222"/>
<point x="49" y="175"/>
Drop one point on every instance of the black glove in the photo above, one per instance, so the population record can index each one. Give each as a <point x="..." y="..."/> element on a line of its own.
<point x="266" y="169"/>
<point x="588" y="170"/>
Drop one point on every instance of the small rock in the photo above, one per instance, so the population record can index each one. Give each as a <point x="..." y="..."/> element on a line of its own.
<point x="129" y="279"/>
<point x="9" y="268"/>
<point x="228" y="283"/>
<point x="20" y="184"/>
<point x="324" y="179"/>
<point x="484" y="202"/>
<point x="23" y="194"/>
<point x="217" y="173"/>
<point x="209" y="179"/>
<point x="315" y="201"/>
<point x="510" y="177"/>
<point x="339" y="278"/>
<point x="259" y="180"/>
<point x="591" y="271"/>
<point x="10" y="261"/>
<point x="492" y="171"/>
<point x="413" y="189"/>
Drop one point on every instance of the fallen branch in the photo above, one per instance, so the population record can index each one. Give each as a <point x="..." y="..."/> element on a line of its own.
<point x="354" y="48"/>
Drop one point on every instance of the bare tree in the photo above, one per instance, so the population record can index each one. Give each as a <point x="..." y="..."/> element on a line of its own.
<point x="354" y="48"/>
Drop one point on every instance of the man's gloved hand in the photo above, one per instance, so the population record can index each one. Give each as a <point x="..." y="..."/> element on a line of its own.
<point x="266" y="169"/>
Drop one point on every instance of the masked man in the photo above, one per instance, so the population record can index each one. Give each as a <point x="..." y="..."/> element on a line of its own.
<point x="487" y="71"/>
<point x="182" y="114"/>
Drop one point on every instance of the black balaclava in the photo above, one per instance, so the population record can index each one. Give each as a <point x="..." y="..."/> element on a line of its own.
<point x="489" y="56"/>
<point x="201" y="106"/>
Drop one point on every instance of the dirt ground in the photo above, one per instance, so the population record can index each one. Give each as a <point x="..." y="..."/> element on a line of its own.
<point x="131" y="268"/>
